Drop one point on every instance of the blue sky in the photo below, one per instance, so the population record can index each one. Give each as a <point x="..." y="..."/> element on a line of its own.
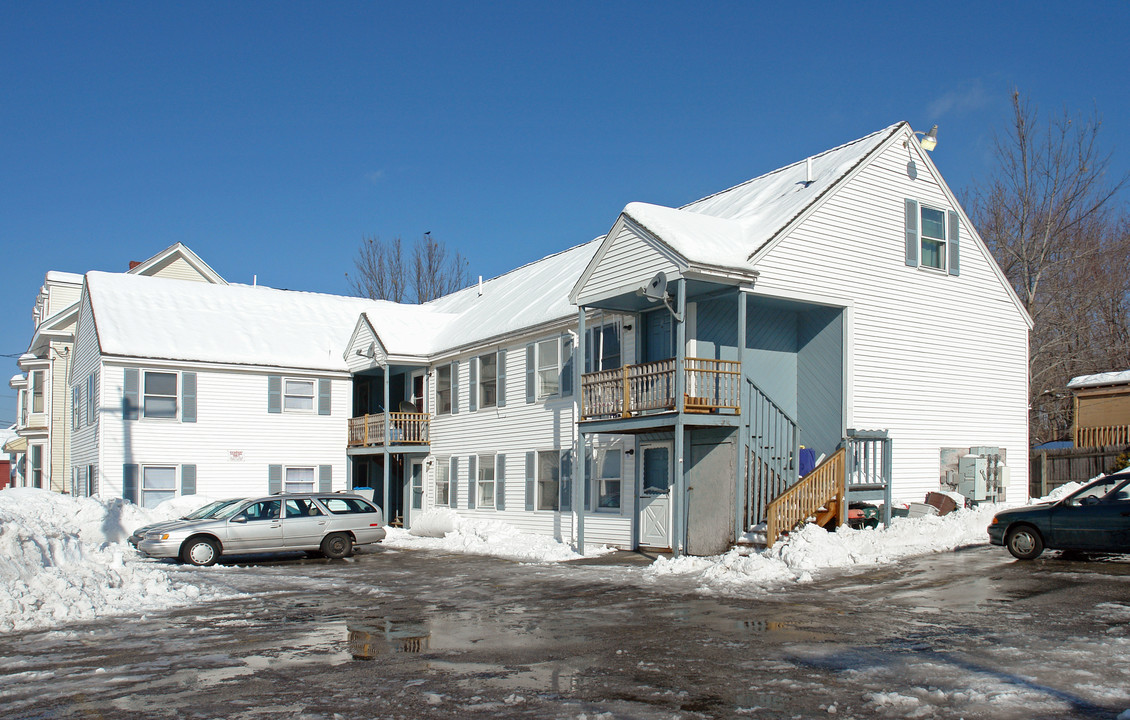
<point x="272" y="137"/>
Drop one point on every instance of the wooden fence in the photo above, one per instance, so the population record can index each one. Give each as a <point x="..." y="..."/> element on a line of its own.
<point x="1049" y="469"/>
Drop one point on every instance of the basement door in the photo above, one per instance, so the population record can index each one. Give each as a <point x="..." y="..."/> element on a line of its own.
<point x="654" y="503"/>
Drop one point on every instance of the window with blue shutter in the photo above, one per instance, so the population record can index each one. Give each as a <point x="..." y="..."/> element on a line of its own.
<point x="274" y="479"/>
<point x="187" y="479"/>
<point x="325" y="478"/>
<point x="129" y="481"/>
<point x="453" y="483"/>
<point x="531" y="479"/>
<point x="566" y="366"/>
<point x="324" y="390"/>
<point x="274" y="393"/>
<point x="531" y="374"/>
<point x="472" y="481"/>
<point x="188" y="397"/>
<point x="502" y="378"/>
<point x="911" y="225"/>
<point x="500" y="482"/>
<point x="130" y="396"/>
<point x="566" y="502"/>
<point x="473" y="384"/>
<point x="954" y="244"/>
<point x="455" y="387"/>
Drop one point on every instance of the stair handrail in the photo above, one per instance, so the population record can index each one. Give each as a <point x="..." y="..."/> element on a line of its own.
<point x="823" y="487"/>
<point x="773" y="446"/>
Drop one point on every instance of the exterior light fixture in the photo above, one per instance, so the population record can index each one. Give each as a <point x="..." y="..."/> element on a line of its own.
<point x="929" y="140"/>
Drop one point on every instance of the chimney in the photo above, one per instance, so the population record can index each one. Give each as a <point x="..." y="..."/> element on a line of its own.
<point x="133" y="264"/>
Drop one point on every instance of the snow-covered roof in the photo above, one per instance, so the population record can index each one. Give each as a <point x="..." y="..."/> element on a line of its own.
<point x="160" y="318"/>
<point x="1120" y="377"/>
<point x="766" y="205"/>
<point x="720" y="241"/>
<point x="152" y="317"/>
<point x="64" y="277"/>
<point x="525" y="297"/>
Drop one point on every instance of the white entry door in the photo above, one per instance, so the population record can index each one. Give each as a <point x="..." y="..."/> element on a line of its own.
<point x="654" y="504"/>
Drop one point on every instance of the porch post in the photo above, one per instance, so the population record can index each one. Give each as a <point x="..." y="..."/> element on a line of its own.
<point x="679" y="496"/>
<point x="743" y="430"/>
<point x="384" y="445"/>
<point x="579" y="442"/>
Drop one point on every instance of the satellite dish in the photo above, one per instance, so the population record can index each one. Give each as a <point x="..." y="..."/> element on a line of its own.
<point x="656" y="289"/>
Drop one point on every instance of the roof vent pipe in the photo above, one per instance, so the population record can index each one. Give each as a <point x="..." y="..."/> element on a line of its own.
<point x="480" y="285"/>
<point x="807" y="171"/>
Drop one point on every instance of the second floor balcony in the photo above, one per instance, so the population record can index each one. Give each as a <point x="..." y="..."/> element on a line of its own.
<point x="711" y="386"/>
<point x="404" y="428"/>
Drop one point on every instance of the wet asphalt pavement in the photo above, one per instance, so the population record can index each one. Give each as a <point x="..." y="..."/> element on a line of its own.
<point x="419" y="634"/>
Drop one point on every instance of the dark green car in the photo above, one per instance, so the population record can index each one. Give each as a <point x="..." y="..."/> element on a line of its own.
<point x="1094" y="518"/>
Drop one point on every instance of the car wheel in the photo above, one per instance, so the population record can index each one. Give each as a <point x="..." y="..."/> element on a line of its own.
<point x="1025" y="543"/>
<point x="200" y="551"/>
<point x="337" y="546"/>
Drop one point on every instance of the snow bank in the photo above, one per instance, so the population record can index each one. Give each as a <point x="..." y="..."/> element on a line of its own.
<point x="66" y="559"/>
<point x="443" y="529"/>
<point x="812" y="549"/>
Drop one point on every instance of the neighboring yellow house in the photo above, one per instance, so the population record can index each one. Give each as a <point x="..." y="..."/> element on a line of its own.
<point x="1102" y="409"/>
<point x="44" y="405"/>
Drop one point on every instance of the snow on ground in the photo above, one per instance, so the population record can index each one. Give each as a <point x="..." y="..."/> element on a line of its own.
<point x="803" y="553"/>
<point x="443" y="529"/>
<point x="66" y="560"/>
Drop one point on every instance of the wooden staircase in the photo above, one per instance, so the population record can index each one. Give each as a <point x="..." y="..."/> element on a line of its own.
<point x="822" y="495"/>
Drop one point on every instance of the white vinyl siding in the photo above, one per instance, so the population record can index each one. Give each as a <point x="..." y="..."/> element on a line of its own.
<point x="628" y="263"/>
<point x="513" y="431"/>
<point x="939" y="360"/>
<point x="233" y="441"/>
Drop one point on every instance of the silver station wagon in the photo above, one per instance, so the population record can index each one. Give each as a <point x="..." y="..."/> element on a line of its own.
<point x="329" y="524"/>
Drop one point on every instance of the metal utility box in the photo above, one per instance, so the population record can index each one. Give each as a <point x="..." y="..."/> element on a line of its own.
<point x="972" y="471"/>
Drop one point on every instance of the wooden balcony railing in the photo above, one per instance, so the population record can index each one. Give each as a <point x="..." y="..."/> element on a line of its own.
<point x="405" y="428"/>
<point x="712" y="386"/>
<point x="821" y="488"/>
<point x="1102" y="436"/>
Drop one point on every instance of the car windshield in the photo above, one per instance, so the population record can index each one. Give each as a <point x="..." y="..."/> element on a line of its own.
<point x="228" y="510"/>
<point x="211" y="509"/>
<point x="1098" y="489"/>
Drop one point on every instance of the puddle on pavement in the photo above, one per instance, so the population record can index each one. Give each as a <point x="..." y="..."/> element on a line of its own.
<point x="550" y="677"/>
<point x="387" y="636"/>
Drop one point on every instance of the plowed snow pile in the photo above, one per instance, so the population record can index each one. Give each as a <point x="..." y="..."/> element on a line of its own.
<point x="65" y="559"/>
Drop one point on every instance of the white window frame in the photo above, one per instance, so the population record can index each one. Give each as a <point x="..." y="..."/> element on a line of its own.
<point x="543" y="482"/>
<point x="442" y="482"/>
<point x="36" y="382"/>
<point x="485" y="480"/>
<point x="144" y="395"/>
<point x="594" y="342"/>
<point x="440" y="392"/>
<point x="312" y="397"/>
<point x="76" y="407"/>
<point x="142" y="489"/>
<point x="91" y="399"/>
<point x="482" y="390"/>
<point x="287" y="482"/>
<point x="35" y="455"/>
<point x="545" y="373"/>
<point x="923" y="239"/>
<point x="598" y="479"/>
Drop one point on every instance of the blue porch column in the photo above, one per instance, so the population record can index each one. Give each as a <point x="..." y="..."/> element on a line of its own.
<point x="743" y="426"/>
<point x="579" y="452"/>
<point x="679" y="494"/>
<point x="384" y="446"/>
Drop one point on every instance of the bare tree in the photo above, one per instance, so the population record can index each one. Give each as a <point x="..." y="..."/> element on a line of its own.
<point x="1050" y="217"/>
<point x="384" y="273"/>
<point x="381" y="271"/>
<point x="436" y="272"/>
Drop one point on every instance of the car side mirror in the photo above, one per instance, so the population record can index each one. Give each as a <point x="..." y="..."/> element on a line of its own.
<point x="239" y="518"/>
<point x="1089" y="500"/>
